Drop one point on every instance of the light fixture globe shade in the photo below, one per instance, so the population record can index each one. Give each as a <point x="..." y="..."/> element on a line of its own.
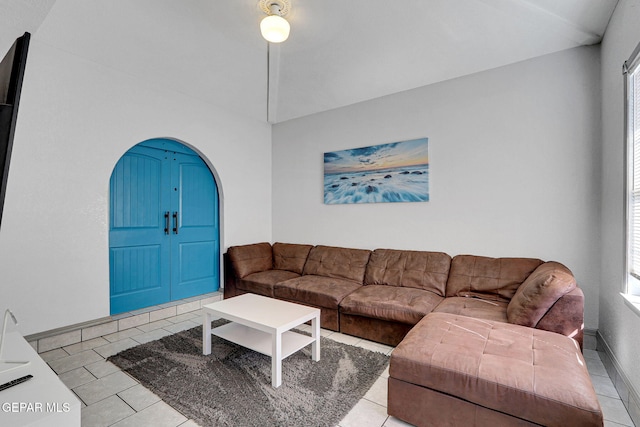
<point x="274" y="28"/>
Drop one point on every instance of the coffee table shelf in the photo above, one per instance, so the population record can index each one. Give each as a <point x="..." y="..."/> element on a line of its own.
<point x="262" y="341"/>
<point x="264" y="325"/>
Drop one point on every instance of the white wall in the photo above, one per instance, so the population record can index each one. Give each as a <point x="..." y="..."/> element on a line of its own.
<point x="76" y="119"/>
<point x="619" y="326"/>
<point x="514" y="168"/>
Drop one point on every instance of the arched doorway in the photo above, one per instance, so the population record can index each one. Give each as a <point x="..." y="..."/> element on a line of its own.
<point x="163" y="226"/>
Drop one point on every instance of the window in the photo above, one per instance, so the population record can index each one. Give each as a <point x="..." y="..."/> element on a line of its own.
<point x="631" y="70"/>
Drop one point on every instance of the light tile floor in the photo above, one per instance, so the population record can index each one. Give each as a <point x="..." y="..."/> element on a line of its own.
<point x="112" y="398"/>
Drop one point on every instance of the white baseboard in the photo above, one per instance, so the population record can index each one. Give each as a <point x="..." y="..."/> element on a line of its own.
<point x="628" y="394"/>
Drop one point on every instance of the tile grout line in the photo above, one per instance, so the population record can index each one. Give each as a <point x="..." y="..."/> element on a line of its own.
<point x="43" y="342"/>
<point x="192" y="315"/>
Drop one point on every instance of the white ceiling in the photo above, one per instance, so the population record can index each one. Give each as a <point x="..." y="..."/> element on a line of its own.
<point x="339" y="52"/>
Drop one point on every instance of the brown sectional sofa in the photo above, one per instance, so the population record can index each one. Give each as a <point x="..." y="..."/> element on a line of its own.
<point x="380" y="295"/>
<point x="480" y="341"/>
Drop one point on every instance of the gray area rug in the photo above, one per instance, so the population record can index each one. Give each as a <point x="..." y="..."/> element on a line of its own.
<point x="232" y="385"/>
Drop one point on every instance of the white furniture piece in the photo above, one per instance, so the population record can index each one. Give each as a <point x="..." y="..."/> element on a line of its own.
<point x="41" y="401"/>
<point x="263" y="324"/>
<point x="7" y="365"/>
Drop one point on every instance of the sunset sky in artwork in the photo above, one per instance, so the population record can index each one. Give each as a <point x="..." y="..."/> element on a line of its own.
<point x="385" y="156"/>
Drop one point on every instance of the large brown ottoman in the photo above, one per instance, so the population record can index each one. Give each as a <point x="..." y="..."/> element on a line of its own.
<point x="454" y="370"/>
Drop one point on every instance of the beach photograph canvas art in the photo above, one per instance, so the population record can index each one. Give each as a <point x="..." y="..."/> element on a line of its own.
<point x="393" y="172"/>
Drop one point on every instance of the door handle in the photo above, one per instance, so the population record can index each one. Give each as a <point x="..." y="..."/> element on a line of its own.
<point x="166" y="222"/>
<point x="175" y="222"/>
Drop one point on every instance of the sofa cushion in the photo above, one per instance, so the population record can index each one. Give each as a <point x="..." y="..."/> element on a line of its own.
<point x="249" y="259"/>
<point x="319" y="291"/>
<point x="412" y="269"/>
<point x="263" y="282"/>
<point x="396" y="304"/>
<point x="488" y="278"/>
<point x="474" y="307"/>
<point x="290" y="256"/>
<point x="535" y="375"/>
<point x="539" y="292"/>
<point x="339" y="263"/>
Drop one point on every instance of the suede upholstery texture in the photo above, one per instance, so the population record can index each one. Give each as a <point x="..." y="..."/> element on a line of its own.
<point x="288" y="262"/>
<point x="539" y="292"/>
<point x="400" y="286"/>
<point x="264" y="282"/>
<point x="290" y="257"/>
<point x="488" y="278"/>
<point x="538" y="376"/>
<point x="424" y="407"/>
<point x="563" y="317"/>
<point x="339" y="263"/>
<point x="318" y="291"/>
<point x="412" y="269"/>
<point x="474" y="307"/>
<point x="249" y="259"/>
<point x="329" y="275"/>
<point x="373" y="329"/>
<point x="395" y="303"/>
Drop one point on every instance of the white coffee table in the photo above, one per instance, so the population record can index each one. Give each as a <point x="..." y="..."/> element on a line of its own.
<point x="263" y="324"/>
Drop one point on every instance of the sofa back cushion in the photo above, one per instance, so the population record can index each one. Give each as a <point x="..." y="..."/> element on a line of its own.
<point x="411" y="269"/>
<point x="248" y="259"/>
<point x="488" y="278"/>
<point x="290" y="256"/>
<point x="539" y="292"/>
<point x="340" y="263"/>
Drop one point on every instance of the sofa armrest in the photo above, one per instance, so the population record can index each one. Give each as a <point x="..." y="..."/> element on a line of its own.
<point x="566" y="316"/>
<point x="230" y="278"/>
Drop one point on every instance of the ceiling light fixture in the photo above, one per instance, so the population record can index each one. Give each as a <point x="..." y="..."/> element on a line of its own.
<point x="275" y="28"/>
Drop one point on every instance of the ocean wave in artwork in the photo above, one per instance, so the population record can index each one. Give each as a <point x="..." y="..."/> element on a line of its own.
<point x="402" y="184"/>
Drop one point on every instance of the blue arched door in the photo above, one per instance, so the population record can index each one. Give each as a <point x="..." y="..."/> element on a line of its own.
<point x="163" y="228"/>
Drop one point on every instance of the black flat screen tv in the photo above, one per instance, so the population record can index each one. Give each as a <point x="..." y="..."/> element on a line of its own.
<point x="11" y="75"/>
